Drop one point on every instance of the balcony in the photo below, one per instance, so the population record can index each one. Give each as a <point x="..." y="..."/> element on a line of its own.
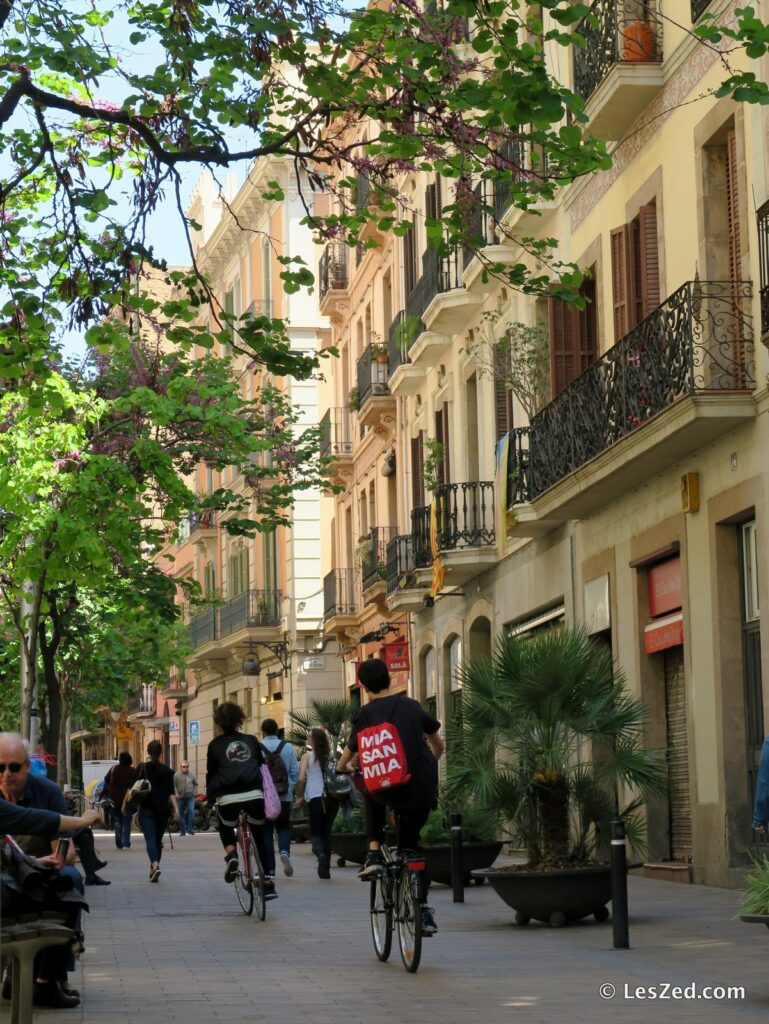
<point x="375" y="400"/>
<point x="374" y="564"/>
<point x="405" y="591"/>
<point x="340" y="603"/>
<point x="762" y="223"/>
<point x="449" y="306"/>
<point x="677" y="382"/>
<point x="333" y="278"/>
<point x="203" y="524"/>
<point x="619" y="71"/>
<point x="336" y="439"/>
<point x="465" y="528"/>
<point x="203" y="628"/>
<point x="404" y="378"/>
<point x="253" y="608"/>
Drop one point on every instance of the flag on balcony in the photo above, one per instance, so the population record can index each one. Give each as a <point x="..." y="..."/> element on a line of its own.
<point x="439" y="573"/>
<point x="500" y="492"/>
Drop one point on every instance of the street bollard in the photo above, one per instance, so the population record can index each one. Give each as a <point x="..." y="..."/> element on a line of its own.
<point x="619" y="885"/>
<point x="457" y="868"/>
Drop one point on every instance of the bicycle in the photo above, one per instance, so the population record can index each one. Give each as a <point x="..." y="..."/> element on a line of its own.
<point x="249" y="881"/>
<point x="398" y="894"/>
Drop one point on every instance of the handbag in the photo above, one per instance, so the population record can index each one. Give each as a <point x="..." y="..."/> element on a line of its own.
<point x="272" y="806"/>
<point x="140" y="791"/>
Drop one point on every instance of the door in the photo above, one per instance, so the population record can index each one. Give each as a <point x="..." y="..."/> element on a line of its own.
<point x="678" y="756"/>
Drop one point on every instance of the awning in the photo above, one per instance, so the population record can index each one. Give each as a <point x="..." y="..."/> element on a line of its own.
<point x="154" y="723"/>
<point x="663" y="633"/>
<point x="545" y="618"/>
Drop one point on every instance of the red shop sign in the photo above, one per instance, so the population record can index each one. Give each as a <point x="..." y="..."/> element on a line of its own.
<point x="665" y="588"/>
<point x="396" y="657"/>
<point x="664" y="633"/>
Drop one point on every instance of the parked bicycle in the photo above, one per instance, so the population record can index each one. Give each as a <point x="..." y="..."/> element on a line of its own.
<point x="249" y="881"/>
<point x="397" y="896"/>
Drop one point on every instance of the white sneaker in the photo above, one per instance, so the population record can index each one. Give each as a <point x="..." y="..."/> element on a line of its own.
<point x="288" y="867"/>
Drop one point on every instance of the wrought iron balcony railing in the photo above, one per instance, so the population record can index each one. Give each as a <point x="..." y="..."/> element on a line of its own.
<point x="372" y="374"/>
<point x="336" y="432"/>
<point x="203" y="627"/>
<point x="465" y="515"/>
<point x="400" y="337"/>
<point x="202" y="521"/>
<point x="510" y="157"/>
<point x="700" y="340"/>
<point x="333" y="268"/>
<point x="400" y="562"/>
<point x="762" y="221"/>
<point x="518" y="483"/>
<point x="439" y="274"/>
<point x="480" y="222"/>
<point x="251" y="608"/>
<point x="625" y="31"/>
<point x="374" y="564"/>
<point x="339" y="593"/>
<point x="420" y="532"/>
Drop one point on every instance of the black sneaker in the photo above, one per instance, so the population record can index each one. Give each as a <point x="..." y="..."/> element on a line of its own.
<point x="373" y="868"/>
<point x="323" y="867"/>
<point x="49" y="994"/>
<point x="429" y="927"/>
<point x="269" y="890"/>
<point x="232" y="867"/>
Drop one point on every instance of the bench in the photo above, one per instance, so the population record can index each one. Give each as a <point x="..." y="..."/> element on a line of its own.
<point x="21" y="939"/>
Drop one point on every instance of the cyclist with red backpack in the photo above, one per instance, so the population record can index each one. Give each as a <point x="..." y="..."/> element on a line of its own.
<point x="398" y="745"/>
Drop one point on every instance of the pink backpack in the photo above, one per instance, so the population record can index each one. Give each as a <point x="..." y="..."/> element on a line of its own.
<point x="382" y="757"/>
<point x="271" y="798"/>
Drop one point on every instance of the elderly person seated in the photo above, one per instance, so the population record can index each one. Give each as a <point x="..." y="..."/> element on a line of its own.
<point x="35" y="830"/>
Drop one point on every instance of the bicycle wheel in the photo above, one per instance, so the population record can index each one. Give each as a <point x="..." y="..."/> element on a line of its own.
<point x="257" y="879"/>
<point x="243" y="887"/>
<point x="382" y="917"/>
<point x="409" y="921"/>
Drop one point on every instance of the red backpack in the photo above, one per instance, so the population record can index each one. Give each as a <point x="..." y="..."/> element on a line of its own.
<point x="382" y="757"/>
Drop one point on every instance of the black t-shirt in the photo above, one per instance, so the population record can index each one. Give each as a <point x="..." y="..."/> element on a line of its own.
<point x="233" y="765"/>
<point x="161" y="779"/>
<point x="413" y="723"/>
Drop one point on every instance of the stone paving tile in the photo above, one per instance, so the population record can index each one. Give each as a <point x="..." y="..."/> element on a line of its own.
<point x="181" y="951"/>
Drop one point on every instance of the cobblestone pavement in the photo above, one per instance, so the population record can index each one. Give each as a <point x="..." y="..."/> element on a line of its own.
<point x="183" y="951"/>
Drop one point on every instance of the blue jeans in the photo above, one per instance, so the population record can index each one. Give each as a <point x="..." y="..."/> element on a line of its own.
<point x="281" y="825"/>
<point x="153" y="829"/>
<point x="186" y="814"/>
<point x="122" y="825"/>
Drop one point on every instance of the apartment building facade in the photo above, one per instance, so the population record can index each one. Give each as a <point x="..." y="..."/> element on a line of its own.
<point x="633" y="498"/>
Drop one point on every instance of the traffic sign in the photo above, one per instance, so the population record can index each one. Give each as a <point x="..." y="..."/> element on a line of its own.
<point x="194" y="733"/>
<point x="123" y="732"/>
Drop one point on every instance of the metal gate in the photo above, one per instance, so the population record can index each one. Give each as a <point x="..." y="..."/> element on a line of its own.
<point x="678" y="756"/>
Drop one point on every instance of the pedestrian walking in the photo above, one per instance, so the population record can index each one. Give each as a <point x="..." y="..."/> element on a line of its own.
<point x="186" y="788"/>
<point x="321" y="808"/>
<point x="157" y="807"/>
<point x="273" y="745"/>
<point x="117" y="782"/>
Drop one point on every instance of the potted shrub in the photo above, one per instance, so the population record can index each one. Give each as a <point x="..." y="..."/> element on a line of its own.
<point x="378" y="349"/>
<point x="353" y="400"/>
<point x="546" y="738"/>
<point x="754" y="905"/>
<point x="348" y="839"/>
<point x="480" y="846"/>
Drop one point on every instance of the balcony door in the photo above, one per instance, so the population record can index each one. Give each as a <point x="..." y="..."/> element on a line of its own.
<point x="573" y="338"/>
<point x="635" y="270"/>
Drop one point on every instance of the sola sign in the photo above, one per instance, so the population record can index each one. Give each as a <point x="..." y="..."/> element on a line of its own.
<point x="396" y="657"/>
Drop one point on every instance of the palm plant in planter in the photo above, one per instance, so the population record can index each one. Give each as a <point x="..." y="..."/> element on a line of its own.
<point x="529" y="718"/>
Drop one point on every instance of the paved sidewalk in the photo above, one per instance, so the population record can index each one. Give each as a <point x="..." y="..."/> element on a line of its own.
<point x="183" y="951"/>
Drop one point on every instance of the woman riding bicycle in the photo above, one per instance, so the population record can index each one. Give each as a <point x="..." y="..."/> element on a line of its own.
<point x="234" y="779"/>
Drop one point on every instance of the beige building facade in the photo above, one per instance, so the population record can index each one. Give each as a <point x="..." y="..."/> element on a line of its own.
<point x="633" y="498"/>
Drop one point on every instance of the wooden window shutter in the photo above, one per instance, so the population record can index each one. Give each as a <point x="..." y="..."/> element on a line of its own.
<point x="418" y="470"/>
<point x="446" y="475"/>
<point x="587" y="334"/>
<point x="563" y="344"/>
<point x="409" y="261"/>
<point x="648" y="261"/>
<point x="503" y="408"/>
<point x="622" y="281"/>
<point x="733" y="208"/>
<point x="430" y="204"/>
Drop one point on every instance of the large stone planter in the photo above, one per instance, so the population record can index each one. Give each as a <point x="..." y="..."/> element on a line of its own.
<point x="474" y="857"/>
<point x="300" y="830"/>
<point x="554" y="897"/>
<point x="755" y="919"/>
<point x="349" y="846"/>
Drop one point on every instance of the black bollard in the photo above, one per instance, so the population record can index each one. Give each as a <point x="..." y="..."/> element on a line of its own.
<point x="457" y="868"/>
<point x="619" y="885"/>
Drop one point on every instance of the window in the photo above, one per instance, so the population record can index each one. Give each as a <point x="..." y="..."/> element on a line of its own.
<point x="551" y="618"/>
<point x="418" y="470"/>
<point x="209" y="580"/>
<point x="573" y="338"/>
<point x="238" y="572"/>
<point x="750" y="571"/>
<point x="635" y="270"/>
<point x="455" y="663"/>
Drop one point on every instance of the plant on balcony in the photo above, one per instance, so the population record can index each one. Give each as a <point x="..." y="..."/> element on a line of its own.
<point x="517" y="355"/>
<point x="353" y="400"/>
<point x="378" y="349"/>
<point x="362" y="554"/>
<point x="637" y="34"/>
<point x="549" y="740"/>
<point x="434" y="453"/>
<point x="406" y="333"/>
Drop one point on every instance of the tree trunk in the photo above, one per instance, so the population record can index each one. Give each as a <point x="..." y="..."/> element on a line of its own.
<point x="553" y="797"/>
<point x="55" y="718"/>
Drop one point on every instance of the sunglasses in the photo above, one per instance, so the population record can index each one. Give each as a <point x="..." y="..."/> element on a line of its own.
<point x="14" y="767"/>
